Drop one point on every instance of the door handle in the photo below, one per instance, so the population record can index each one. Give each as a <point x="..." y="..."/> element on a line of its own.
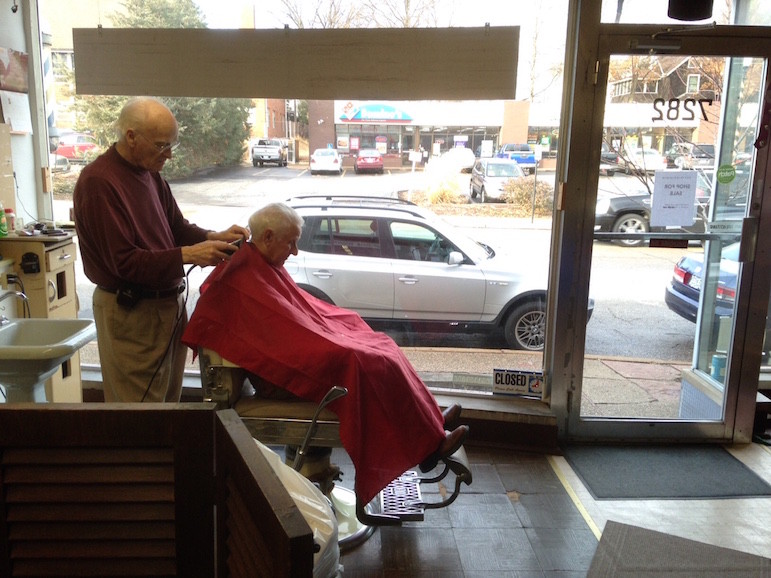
<point x="749" y="238"/>
<point x="408" y="280"/>
<point x="323" y="274"/>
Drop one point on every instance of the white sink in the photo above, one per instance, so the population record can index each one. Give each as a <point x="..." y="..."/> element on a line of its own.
<point x="31" y="350"/>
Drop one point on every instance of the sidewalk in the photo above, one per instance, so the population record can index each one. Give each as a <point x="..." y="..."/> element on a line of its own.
<point x="612" y="386"/>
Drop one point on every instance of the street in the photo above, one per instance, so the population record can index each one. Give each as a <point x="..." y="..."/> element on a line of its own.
<point x="627" y="284"/>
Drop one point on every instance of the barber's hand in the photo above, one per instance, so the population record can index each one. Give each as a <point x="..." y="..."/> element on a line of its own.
<point x="208" y="252"/>
<point x="233" y="233"/>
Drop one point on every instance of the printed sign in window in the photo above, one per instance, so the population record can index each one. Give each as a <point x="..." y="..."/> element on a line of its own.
<point x="515" y="382"/>
<point x="674" y="199"/>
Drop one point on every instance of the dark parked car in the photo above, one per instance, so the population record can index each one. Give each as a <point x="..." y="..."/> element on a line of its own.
<point x="682" y="292"/>
<point x="685" y="155"/>
<point x="368" y="160"/>
<point x="617" y="212"/>
<point x="702" y="156"/>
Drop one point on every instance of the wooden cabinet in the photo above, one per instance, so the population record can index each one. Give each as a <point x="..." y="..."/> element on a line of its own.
<point x="45" y="266"/>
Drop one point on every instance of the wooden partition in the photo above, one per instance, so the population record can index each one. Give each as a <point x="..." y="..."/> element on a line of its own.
<point x="132" y="489"/>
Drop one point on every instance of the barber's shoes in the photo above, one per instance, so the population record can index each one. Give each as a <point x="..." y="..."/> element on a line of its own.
<point x="451" y="415"/>
<point x="451" y="443"/>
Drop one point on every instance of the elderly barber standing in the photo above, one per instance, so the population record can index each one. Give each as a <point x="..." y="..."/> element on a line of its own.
<point x="134" y="242"/>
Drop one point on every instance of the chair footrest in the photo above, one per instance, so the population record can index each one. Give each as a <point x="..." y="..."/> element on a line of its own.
<point x="402" y="498"/>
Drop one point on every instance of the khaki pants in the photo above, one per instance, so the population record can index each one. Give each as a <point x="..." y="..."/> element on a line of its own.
<point x="140" y="351"/>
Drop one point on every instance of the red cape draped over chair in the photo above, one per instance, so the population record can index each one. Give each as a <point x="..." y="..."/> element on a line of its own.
<point x="254" y="315"/>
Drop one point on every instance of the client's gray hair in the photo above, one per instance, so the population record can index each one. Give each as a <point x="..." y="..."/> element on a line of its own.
<point x="275" y="216"/>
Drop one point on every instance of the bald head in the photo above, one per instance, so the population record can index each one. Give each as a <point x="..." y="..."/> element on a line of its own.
<point x="142" y="114"/>
<point x="147" y="133"/>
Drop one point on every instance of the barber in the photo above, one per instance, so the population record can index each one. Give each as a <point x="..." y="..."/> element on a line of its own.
<point x="134" y="243"/>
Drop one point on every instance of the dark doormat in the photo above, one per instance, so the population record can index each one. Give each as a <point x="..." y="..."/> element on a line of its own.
<point x="636" y="552"/>
<point x="646" y="472"/>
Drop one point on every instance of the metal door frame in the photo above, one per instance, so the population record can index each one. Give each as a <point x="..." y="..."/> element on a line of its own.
<point x="586" y="82"/>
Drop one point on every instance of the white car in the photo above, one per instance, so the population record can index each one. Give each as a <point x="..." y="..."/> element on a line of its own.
<point x="489" y="176"/>
<point x="326" y="161"/>
<point x="400" y="266"/>
<point x="639" y="161"/>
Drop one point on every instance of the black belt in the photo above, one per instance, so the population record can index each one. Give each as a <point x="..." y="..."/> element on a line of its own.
<point x="143" y="293"/>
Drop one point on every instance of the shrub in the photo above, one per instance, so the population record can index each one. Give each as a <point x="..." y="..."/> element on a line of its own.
<point x="520" y="193"/>
<point x="447" y="190"/>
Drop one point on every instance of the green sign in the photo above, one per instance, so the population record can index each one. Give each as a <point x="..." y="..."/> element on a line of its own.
<point x="725" y="174"/>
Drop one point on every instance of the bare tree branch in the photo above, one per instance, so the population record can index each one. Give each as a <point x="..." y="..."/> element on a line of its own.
<point x="401" y="13"/>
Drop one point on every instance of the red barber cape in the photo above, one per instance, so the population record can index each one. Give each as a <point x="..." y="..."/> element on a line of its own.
<point x="255" y="316"/>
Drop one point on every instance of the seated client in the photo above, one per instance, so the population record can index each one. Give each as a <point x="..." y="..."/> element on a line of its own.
<point x="253" y="314"/>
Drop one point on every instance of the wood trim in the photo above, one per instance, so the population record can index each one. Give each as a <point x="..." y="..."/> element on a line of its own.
<point x="249" y="490"/>
<point x="355" y="63"/>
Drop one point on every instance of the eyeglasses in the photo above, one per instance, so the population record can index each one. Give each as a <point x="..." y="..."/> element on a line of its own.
<point x="161" y="147"/>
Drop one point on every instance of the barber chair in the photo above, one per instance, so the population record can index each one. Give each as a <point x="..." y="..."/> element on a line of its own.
<point x="310" y="431"/>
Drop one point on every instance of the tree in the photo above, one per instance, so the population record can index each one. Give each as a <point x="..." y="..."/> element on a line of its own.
<point x="401" y="13"/>
<point x="323" y="13"/>
<point x="213" y="131"/>
<point x="540" y="82"/>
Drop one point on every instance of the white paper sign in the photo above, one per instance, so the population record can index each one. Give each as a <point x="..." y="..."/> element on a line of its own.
<point x="674" y="199"/>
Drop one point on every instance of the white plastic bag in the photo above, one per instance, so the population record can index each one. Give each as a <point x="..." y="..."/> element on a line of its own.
<point x="316" y="510"/>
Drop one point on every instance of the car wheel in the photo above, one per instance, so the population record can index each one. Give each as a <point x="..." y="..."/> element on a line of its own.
<point x="630" y="223"/>
<point x="254" y="162"/>
<point x="356" y="170"/>
<point x="471" y="192"/>
<point x="261" y="163"/>
<point x="526" y="326"/>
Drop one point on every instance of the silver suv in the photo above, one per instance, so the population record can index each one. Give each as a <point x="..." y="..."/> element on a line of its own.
<point x="400" y="266"/>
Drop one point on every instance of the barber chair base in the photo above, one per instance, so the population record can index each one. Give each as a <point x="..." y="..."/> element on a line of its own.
<point x="350" y="531"/>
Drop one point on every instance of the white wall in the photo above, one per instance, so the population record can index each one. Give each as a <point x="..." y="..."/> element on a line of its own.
<point x="31" y="202"/>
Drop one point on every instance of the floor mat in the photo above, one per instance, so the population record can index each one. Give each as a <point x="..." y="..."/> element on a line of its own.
<point x="631" y="551"/>
<point x="650" y="472"/>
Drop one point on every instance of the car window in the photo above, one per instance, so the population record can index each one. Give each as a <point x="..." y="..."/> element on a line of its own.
<point x="415" y="242"/>
<point x="703" y="150"/>
<point x="346" y="236"/>
<point x="503" y="170"/>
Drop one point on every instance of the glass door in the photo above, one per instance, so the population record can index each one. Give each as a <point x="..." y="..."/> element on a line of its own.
<point x="674" y="235"/>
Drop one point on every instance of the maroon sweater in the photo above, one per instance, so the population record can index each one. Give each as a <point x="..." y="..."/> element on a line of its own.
<point x="129" y="226"/>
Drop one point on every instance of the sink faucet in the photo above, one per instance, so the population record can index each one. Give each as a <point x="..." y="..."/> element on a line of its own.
<point x="19" y="295"/>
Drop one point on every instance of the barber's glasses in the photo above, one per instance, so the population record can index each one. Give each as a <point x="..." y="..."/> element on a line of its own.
<point x="162" y="147"/>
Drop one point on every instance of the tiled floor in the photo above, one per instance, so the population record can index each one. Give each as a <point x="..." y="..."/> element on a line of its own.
<point x="529" y="515"/>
